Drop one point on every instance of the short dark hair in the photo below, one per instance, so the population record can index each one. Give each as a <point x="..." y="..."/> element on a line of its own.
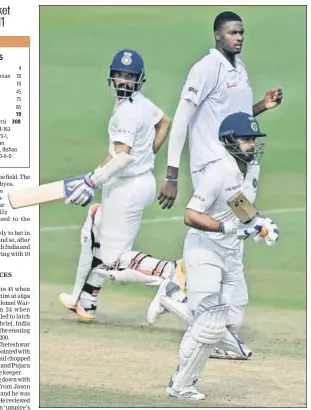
<point x="224" y="17"/>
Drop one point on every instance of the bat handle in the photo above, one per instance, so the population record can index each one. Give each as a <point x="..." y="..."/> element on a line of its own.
<point x="263" y="232"/>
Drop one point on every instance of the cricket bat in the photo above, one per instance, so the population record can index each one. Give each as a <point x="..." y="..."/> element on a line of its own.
<point x="244" y="209"/>
<point x="53" y="191"/>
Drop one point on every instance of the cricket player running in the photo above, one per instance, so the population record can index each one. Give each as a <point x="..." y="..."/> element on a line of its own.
<point x="137" y="129"/>
<point x="216" y="87"/>
<point x="212" y="253"/>
<point x="131" y="266"/>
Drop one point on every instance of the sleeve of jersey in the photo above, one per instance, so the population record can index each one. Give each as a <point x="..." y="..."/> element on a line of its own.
<point x="200" y="82"/>
<point x="185" y="111"/>
<point x="155" y="112"/>
<point x="204" y="195"/>
<point x="126" y="129"/>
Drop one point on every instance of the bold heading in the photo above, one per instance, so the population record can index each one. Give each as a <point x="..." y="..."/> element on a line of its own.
<point x="4" y="11"/>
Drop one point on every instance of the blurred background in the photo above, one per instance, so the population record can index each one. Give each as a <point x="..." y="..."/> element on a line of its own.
<point x="77" y="44"/>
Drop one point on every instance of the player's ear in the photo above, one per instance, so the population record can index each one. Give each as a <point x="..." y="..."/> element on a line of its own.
<point x="217" y="35"/>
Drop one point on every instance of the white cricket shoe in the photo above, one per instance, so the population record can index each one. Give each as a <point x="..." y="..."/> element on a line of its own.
<point x="218" y="353"/>
<point x="86" y="313"/>
<point x="155" y="309"/>
<point x="189" y="393"/>
<point x="65" y="299"/>
<point x="243" y="352"/>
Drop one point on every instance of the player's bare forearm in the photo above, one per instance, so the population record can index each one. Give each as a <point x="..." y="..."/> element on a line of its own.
<point x="121" y="147"/>
<point x="162" y="128"/>
<point x="259" y="108"/>
<point x="199" y="221"/>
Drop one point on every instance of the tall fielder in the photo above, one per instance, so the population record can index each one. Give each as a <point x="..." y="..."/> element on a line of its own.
<point x="216" y="87"/>
<point x="212" y="253"/>
<point x="137" y="129"/>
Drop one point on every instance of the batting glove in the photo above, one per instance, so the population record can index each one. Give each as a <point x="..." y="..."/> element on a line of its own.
<point x="243" y="231"/>
<point x="82" y="191"/>
<point x="272" y="233"/>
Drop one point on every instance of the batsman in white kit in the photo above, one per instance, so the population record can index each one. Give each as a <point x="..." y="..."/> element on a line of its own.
<point x="137" y="129"/>
<point x="216" y="86"/>
<point x="131" y="266"/>
<point x="212" y="254"/>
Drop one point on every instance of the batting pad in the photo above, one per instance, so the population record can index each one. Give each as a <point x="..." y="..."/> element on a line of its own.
<point x="196" y="346"/>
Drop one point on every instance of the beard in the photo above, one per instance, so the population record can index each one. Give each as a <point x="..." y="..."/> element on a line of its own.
<point x="249" y="155"/>
<point x="124" y="91"/>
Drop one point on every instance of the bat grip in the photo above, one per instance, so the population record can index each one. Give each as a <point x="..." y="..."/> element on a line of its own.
<point x="263" y="232"/>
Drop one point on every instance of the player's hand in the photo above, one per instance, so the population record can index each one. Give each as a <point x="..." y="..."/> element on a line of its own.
<point x="167" y="194"/>
<point x="251" y="229"/>
<point x="243" y="231"/>
<point x="272" y="232"/>
<point x="82" y="191"/>
<point x="273" y="98"/>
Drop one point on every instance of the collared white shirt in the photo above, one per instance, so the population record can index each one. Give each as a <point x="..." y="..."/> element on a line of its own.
<point x="133" y="123"/>
<point x="218" y="89"/>
<point x="221" y="180"/>
<point x="250" y="185"/>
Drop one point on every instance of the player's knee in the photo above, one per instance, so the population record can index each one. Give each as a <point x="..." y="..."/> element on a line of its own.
<point x="209" y="322"/>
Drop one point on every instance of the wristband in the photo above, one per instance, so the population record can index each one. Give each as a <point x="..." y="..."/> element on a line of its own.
<point x="221" y="228"/>
<point x="88" y="180"/>
<point x="171" y="179"/>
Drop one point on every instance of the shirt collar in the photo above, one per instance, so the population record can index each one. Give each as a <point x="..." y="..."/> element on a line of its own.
<point x="223" y="60"/>
<point x="233" y="162"/>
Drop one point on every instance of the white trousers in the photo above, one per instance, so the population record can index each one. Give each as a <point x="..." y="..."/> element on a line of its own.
<point x="233" y="284"/>
<point x="122" y="209"/>
<point x="215" y="272"/>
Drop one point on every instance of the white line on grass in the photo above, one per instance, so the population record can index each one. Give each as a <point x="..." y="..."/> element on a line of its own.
<point x="168" y="219"/>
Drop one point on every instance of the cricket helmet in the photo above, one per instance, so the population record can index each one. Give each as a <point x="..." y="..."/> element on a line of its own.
<point x="241" y="125"/>
<point x="131" y="62"/>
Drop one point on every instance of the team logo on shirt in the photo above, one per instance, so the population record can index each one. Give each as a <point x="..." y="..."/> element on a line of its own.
<point x="232" y="188"/>
<point x="198" y="197"/>
<point x="124" y="131"/>
<point x="232" y="85"/>
<point x="126" y="59"/>
<point x="193" y="90"/>
<point x="255" y="183"/>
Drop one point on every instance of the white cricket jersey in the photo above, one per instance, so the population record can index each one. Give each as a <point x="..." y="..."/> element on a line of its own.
<point x="218" y="89"/>
<point x="250" y="185"/>
<point x="220" y="181"/>
<point x="133" y="123"/>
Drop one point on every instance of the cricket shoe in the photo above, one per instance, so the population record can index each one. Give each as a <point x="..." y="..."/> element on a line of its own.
<point x="155" y="309"/>
<point x="86" y="314"/>
<point x="189" y="393"/>
<point x="84" y="309"/>
<point x="65" y="299"/>
<point x="231" y="347"/>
